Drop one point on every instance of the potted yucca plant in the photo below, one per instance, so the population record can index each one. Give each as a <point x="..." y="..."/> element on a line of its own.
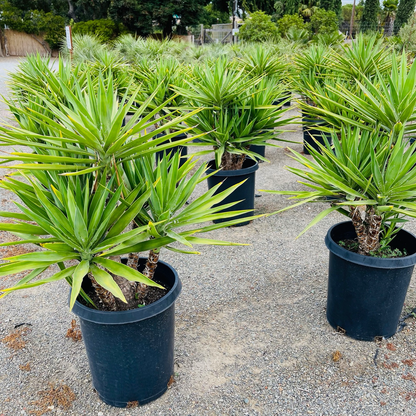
<point x="160" y="76"/>
<point x="313" y="68"/>
<point x="260" y="61"/>
<point x="236" y="113"/>
<point x="90" y="194"/>
<point x="370" y="177"/>
<point x="383" y="99"/>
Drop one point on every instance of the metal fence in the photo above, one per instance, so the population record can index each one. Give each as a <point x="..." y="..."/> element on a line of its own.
<point x="221" y="33"/>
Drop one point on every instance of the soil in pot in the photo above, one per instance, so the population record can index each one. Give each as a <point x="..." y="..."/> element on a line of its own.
<point x="366" y="294"/>
<point x="130" y="353"/>
<point x="245" y="193"/>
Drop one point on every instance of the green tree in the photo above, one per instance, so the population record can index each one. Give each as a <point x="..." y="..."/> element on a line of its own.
<point x="34" y="22"/>
<point x="346" y="12"/>
<point x="369" y="20"/>
<point x="408" y="35"/>
<point x="258" y="28"/>
<point x="140" y="16"/>
<point x="307" y="9"/>
<point x="326" y="4"/>
<point x="389" y="12"/>
<point x="266" y="6"/>
<point x="85" y="10"/>
<point x="323" y="22"/>
<point x="288" y="21"/>
<point x="104" y="29"/>
<point x="292" y="6"/>
<point x="210" y="16"/>
<point x="57" y="7"/>
<point x="404" y="12"/>
<point x="337" y="6"/>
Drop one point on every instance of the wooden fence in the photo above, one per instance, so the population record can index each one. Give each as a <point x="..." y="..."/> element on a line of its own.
<point x="21" y="44"/>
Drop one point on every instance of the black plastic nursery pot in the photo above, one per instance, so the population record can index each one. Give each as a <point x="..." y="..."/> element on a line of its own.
<point x="311" y="133"/>
<point x="182" y="149"/>
<point x="244" y="193"/>
<point x="261" y="150"/>
<point x="366" y="294"/>
<point x="287" y="94"/>
<point x="130" y="353"/>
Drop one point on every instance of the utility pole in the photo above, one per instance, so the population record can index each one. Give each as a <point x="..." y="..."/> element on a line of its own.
<point x="352" y="19"/>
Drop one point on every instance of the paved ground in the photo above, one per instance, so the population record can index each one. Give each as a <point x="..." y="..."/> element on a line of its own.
<point x="6" y="65"/>
<point x="251" y="332"/>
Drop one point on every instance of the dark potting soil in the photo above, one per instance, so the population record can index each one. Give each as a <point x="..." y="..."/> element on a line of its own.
<point x="153" y="294"/>
<point x="385" y="252"/>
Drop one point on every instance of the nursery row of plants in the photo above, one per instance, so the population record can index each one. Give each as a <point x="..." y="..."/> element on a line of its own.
<point x="104" y="175"/>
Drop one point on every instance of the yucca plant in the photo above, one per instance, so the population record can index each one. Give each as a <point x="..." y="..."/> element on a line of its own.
<point x="366" y="57"/>
<point x="161" y="77"/>
<point x="87" y="134"/>
<point x="36" y="75"/>
<point x="89" y="193"/>
<point x="384" y="100"/>
<point x="258" y="61"/>
<point x="332" y="39"/>
<point x="85" y="48"/>
<point x="79" y="223"/>
<point x="108" y="63"/>
<point x="129" y="47"/>
<point x="313" y="66"/>
<point x="86" y="225"/>
<point x="368" y="176"/>
<point x="88" y="178"/>
<point x="237" y="111"/>
<point x="297" y="36"/>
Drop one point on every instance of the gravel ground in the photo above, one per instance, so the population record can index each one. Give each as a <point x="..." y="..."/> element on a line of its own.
<point x="251" y="332"/>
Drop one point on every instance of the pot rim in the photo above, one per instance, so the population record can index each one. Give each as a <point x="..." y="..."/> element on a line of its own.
<point x="239" y="172"/>
<point x="132" y="315"/>
<point x="367" y="261"/>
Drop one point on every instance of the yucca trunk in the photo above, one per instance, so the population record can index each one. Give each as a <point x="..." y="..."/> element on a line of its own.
<point x="149" y="271"/>
<point x="108" y="300"/>
<point x="367" y="224"/>
<point x="231" y="161"/>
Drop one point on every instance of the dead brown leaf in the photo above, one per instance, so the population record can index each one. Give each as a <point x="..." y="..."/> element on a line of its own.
<point x="390" y="346"/>
<point x="74" y="332"/>
<point x="390" y="366"/>
<point x="60" y="396"/>
<point x="25" y="367"/>
<point x="171" y="381"/>
<point x="15" y="339"/>
<point x="336" y="356"/>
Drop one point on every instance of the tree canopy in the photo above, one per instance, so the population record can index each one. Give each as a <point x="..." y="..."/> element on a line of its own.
<point x="404" y="12"/>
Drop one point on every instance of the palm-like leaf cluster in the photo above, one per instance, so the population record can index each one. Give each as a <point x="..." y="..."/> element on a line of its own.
<point x="237" y="112"/>
<point x="372" y="172"/>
